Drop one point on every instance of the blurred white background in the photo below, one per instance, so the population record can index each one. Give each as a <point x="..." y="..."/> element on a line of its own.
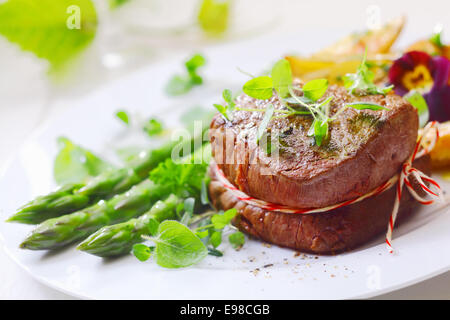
<point x="144" y="32"/>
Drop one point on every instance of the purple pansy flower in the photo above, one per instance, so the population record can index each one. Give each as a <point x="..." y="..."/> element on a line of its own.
<point x="427" y="74"/>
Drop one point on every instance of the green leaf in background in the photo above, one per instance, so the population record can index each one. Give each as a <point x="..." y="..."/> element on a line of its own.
<point x="177" y="246"/>
<point x="181" y="84"/>
<point x="55" y="30"/>
<point x="418" y="101"/>
<point x="123" y="115"/>
<point x="74" y="164"/>
<point x="153" y="127"/>
<point x="113" y="4"/>
<point x="142" y="252"/>
<point x="282" y="77"/>
<point x="213" y="16"/>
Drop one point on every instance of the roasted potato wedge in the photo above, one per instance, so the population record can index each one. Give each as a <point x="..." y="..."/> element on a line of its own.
<point x="376" y="41"/>
<point x="440" y="155"/>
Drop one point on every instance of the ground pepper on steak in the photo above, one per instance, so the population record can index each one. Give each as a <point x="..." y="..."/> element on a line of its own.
<point x="363" y="150"/>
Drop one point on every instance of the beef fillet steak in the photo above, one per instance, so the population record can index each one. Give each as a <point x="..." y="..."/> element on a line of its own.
<point x="363" y="150"/>
<point x="322" y="233"/>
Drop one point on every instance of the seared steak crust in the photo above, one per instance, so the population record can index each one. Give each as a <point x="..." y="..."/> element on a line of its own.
<point x="363" y="150"/>
<point x="321" y="233"/>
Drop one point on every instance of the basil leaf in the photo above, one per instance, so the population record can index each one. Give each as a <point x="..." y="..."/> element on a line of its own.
<point x="142" y="252"/>
<point x="221" y="220"/>
<point x="315" y="89"/>
<point x="282" y="77"/>
<point x="177" y="246"/>
<point x="259" y="88"/>
<point x="366" y="106"/>
<point x="419" y="102"/>
<point x="236" y="239"/>
<point x="265" y="121"/>
<point x="74" y="164"/>
<point x="320" y="131"/>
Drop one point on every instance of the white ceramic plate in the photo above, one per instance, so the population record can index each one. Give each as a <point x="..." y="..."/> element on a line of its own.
<point x="421" y="242"/>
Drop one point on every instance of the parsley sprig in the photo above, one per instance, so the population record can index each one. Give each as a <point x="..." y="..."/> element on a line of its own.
<point x="303" y="101"/>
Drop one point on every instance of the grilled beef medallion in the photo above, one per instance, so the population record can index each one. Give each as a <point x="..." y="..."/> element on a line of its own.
<point x="364" y="148"/>
<point x="322" y="233"/>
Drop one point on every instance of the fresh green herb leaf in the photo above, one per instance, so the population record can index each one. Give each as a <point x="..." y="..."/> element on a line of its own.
<point x="153" y="127"/>
<point x="315" y="89"/>
<point x="182" y="179"/>
<point x="215" y="252"/>
<point x="142" y="252"/>
<point x="123" y="115"/>
<point x="259" y="88"/>
<point x="204" y="198"/>
<point x="265" y="121"/>
<point x="320" y="131"/>
<point x="216" y="239"/>
<point x="418" y="101"/>
<point x="282" y="77"/>
<point x="177" y="246"/>
<point x="41" y="28"/>
<point x="223" y="111"/>
<point x="361" y="82"/>
<point x="366" y="106"/>
<point x="181" y="84"/>
<point x="178" y="85"/>
<point x="236" y="239"/>
<point x="73" y="164"/>
<point x="436" y="39"/>
<point x="202" y="234"/>
<point x="114" y="4"/>
<point x="228" y="97"/>
<point x="213" y="16"/>
<point x="188" y="206"/>
<point x="221" y="220"/>
<point x="226" y="110"/>
<point x="195" y="62"/>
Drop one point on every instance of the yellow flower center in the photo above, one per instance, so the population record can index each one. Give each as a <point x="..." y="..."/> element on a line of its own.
<point x="419" y="78"/>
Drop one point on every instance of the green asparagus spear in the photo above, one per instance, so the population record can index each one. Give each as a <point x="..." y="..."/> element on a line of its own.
<point x="119" y="239"/>
<point x="58" y="232"/>
<point x="72" y="198"/>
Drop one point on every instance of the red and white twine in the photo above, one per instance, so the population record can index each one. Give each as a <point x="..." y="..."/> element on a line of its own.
<point x="433" y="189"/>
